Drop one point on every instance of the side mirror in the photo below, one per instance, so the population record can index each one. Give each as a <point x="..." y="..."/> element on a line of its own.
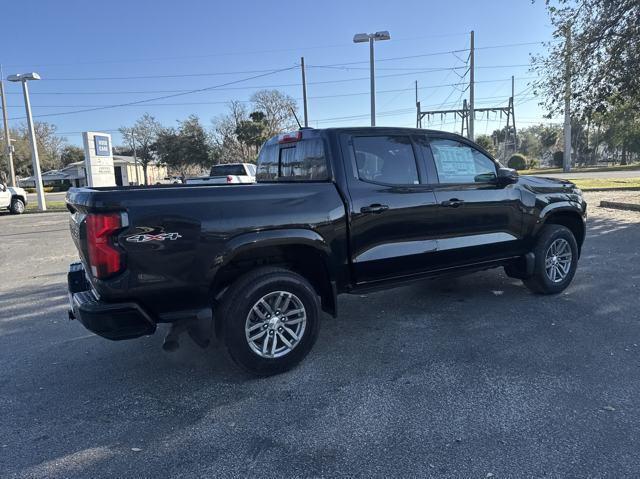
<point x="507" y="176"/>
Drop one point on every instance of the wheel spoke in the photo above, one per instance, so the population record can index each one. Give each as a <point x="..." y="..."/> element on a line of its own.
<point x="295" y="321"/>
<point x="285" y="340"/>
<point x="276" y="305"/>
<point x="266" y="306"/>
<point x="255" y="326"/>
<point x="273" y="344"/>
<point x="293" y="311"/>
<point x="258" y="335"/>
<point x="286" y="302"/>
<point x="265" y="345"/>
<point x="291" y="333"/>
<point x="260" y="314"/>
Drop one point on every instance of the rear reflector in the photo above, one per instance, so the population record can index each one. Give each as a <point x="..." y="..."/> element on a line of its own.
<point x="290" y="137"/>
<point x="104" y="258"/>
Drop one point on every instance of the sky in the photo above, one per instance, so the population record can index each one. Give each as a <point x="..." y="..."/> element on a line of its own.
<point x="100" y="56"/>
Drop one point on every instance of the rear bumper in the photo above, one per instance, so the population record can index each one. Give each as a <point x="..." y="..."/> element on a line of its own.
<point x="115" y="321"/>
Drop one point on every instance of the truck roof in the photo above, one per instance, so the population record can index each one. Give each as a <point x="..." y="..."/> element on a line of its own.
<point x="314" y="132"/>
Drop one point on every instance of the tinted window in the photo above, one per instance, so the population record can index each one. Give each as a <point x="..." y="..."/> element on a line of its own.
<point x="386" y="159"/>
<point x="460" y="163"/>
<point x="301" y="161"/>
<point x="268" y="163"/>
<point x="224" y="170"/>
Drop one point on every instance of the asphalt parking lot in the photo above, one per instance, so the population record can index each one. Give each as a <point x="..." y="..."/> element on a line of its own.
<point x="473" y="377"/>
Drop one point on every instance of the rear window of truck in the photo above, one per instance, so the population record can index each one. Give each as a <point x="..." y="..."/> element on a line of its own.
<point x="225" y="170"/>
<point x="303" y="160"/>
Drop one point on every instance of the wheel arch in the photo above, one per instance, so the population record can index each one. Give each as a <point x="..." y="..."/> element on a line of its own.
<point x="568" y="216"/>
<point x="300" y="250"/>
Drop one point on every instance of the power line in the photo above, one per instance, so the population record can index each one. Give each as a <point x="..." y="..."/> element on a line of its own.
<point x="230" y="54"/>
<point x="198" y="90"/>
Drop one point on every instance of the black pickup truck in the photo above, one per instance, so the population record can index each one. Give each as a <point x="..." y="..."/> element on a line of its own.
<point x="333" y="211"/>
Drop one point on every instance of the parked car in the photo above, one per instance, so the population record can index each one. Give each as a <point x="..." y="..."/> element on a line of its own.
<point x="170" y="180"/>
<point x="13" y="198"/>
<point x="227" y="173"/>
<point x="343" y="210"/>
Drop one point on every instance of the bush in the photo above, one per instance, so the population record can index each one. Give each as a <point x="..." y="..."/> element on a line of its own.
<point x="517" y="162"/>
<point x="533" y="164"/>
<point x="558" y="158"/>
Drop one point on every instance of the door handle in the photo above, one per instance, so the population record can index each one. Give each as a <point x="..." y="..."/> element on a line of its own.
<point x="452" y="203"/>
<point x="376" y="208"/>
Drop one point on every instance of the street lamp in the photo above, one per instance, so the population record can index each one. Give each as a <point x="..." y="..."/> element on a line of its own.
<point x="372" y="37"/>
<point x="24" y="78"/>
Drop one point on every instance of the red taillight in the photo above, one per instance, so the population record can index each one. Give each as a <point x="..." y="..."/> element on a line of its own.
<point x="104" y="258"/>
<point x="229" y="179"/>
<point x="290" y="137"/>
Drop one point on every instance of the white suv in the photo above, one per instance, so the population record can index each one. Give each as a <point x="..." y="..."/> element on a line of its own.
<point x="13" y="198"/>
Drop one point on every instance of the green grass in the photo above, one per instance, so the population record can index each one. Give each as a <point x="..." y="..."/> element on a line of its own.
<point x="587" y="184"/>
<point x="595" y="169"/>
<point x="32" y="207"/>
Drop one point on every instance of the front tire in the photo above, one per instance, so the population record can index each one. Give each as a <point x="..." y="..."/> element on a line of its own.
<point x="556" y="260"/>
<point x="270" y="319"/>
<point x="17" y="206"/>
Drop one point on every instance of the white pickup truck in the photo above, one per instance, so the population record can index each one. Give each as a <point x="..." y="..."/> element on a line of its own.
<point x="227" y="173"/>
<point x="13" y="198"/>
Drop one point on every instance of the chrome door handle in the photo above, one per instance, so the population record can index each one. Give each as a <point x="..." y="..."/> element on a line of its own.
<point x="376" y="208"/>
<point x="452" y="203"/>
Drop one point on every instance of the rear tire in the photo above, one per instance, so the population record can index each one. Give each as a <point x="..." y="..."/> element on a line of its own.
<point x="290" y="330"/>
<point x="556" y="260"/>
<point x="17" y="206"/>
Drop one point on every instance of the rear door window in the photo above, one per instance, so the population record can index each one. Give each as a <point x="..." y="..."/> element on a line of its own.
<point x="386" y="159"/>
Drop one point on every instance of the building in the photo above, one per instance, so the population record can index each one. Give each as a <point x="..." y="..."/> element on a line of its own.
<point x="124" y="168"/>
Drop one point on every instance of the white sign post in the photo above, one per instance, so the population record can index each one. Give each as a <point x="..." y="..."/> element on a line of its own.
<point x="98" y="159"/>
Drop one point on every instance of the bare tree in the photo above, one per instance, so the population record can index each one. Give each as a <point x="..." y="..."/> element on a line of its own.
<point x="278" y="110"/>
<point x="141" y="137"/>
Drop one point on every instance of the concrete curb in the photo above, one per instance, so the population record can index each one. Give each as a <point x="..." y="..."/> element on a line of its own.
<point x="630" y="188"/>
<point x="620" y="206"/>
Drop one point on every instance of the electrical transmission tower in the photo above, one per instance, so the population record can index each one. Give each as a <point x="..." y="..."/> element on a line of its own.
<point x="468" y="113"/>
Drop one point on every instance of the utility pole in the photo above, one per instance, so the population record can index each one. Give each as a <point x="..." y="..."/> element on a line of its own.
<point x="470" y="131"/>
<point x="373" y="82"/>
<point x="7" y="136"/>
<point x="304" y="92"/>
<point x="566" y="157"/>
<point x="135" y="156"/>
<point x="513" y="113"/>
<point x="418" y="119"/>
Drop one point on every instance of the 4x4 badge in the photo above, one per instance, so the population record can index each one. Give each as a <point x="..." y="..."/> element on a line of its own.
<point x="143" y="238"/>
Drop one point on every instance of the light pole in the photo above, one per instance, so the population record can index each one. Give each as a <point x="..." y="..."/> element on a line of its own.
<point x="37" y="174"/>
<point x="372" y="37"/>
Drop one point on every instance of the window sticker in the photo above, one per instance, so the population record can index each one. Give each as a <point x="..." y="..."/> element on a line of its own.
<point x="454" y="160"/>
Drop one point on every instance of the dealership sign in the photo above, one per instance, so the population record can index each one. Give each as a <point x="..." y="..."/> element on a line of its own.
<point x="98" y="159"/>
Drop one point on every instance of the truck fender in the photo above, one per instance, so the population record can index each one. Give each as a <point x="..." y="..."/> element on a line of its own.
<point x="247" y="242"/>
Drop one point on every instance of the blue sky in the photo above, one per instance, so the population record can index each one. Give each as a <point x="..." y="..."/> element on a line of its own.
<point x="82" y="51"/>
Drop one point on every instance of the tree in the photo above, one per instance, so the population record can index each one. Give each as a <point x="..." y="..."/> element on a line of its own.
<point x="226" y="146"/>
<point x="184" y="149"/>
<point x="486" y="142"/>
<point x="278" y="109"/>
<point x="71" y="154"/>
<point x="605" y="57"/>
<point x="253" y="132"/>
<point x="141" y="138"/>
<point x="49" y="143"/>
